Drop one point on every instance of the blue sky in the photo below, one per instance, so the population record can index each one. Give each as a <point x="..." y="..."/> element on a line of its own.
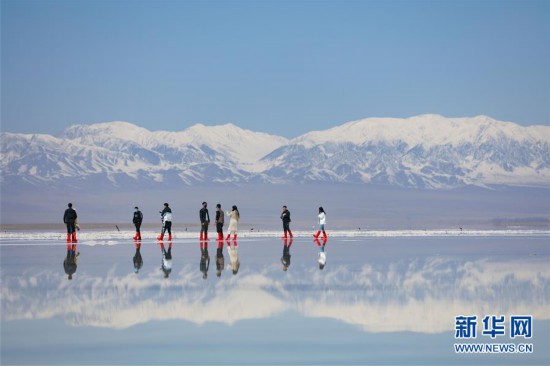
<point x="283" y="67"/>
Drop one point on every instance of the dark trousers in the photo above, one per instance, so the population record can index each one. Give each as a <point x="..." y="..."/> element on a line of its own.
<point x="204" y="227"/>
<point x="219" y="227"/>
<point x="167" y="227"/>
<point x="286" y="226"/>
<point x="138" y="225"/>
<point x="71" y="255"/>
<point x="70" y="228"/>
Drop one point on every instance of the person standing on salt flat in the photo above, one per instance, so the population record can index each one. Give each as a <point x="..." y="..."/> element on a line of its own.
<point x="205" y="221"/>
<point x="137" y="220"/>
<point x="322" y="221"/>
<point x="285" y="217"/>
<point x="219" y="221"/>
<point x="234" y="217"/>
<point x="69" y="219"/>
<point x="166" y="217"/>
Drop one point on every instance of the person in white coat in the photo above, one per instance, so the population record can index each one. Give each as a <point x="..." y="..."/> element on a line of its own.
<point x="234" y="217"/>
<point x="322" y="221"/>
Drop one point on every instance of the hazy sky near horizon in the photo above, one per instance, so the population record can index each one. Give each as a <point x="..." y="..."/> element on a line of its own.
<point x="282" y="67"/>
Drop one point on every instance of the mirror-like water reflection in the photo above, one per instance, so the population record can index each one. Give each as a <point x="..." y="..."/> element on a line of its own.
<point x="373" y="289"/>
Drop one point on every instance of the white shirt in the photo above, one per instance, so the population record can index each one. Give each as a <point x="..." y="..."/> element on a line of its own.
<point x="322" y="218"/>
<point x="167" y="263"/>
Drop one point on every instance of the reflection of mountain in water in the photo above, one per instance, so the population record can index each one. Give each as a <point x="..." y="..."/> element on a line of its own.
<point x="407" y="295"/>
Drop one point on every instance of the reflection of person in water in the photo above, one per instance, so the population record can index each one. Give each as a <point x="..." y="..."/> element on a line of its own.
<point x="138" y="261"/>
<point x="285" y="259"/>
<point x="234" y="256"/>
<point x="166" y="266"/>
<point x="220" y="261"/>
<point x="233" y="251"/>
<point x="322" y="256"/>
<point x="70" y="261"/>
<point x="205" y="259"/>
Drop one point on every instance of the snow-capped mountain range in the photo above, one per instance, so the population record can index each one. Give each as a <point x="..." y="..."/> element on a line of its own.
<point x="426" y="151"/>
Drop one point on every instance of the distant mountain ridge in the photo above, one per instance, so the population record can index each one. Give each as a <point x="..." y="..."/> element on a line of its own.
<point x="427" y="151"/>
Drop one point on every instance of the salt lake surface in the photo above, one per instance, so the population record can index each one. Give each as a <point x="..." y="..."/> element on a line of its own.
<point x="390" y="298"/>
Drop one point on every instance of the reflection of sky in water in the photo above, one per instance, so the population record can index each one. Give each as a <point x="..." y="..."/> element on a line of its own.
<point x="375" y="299"/>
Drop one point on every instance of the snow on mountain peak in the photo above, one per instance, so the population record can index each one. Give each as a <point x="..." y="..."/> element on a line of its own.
<point x="120" y="129"/>
<point x="242" y="145"/>
<point x="430" y="151"/>
<point x="426" y="130"/>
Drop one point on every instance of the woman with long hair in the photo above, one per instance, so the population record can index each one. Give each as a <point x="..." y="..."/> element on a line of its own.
<point x="234" y="217"/>
<point x="322" y="221"/>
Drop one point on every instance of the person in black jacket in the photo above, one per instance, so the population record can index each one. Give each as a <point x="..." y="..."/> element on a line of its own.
<point x="205" y="220"/>
<point x="138" y="218"/>
<point x="69" y="218"/>
<point x="219" y="221"/>
<point x="285" y="217"/>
